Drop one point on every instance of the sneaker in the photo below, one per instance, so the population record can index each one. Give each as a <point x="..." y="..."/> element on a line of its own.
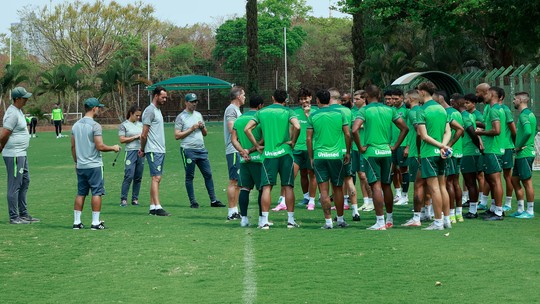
<point x="396" y="198"/>
<point x="507" y="208"/>
<point x="311" y="207"/>
<point x="447" y="225"/>
<point x="194" y="205"/>
<point x="99" y="226"/>
<point x="18" y="221"/>
<point x="459" y="218"/>
<point x="482" y="207"/>
<point x="466" y="204"/>
<point x="363" y="207"/>
<point x="425" y="218"/>
<point x="342" y="224"/>
<point x="412" y="223"/>
<point x="152" y="212"/>
<point x="216" y="204"/>
<point x="403" y="201"/>
<point x="434" y="226"/>
<point x="525" y="215"/>
<point x="377" y="227"/>
<point x="280" y="206"/>
<point x="264" y="227"/>
<point x="488" y="213"/>
<point x="516" y="214"/>
<point x="369" y="207"/>
<point x="304" y="202"/>
<point x="470" y="215"/>
<point x="244" y="224"/>
<point x="494" y="217"/>
<point x="78" y="226"/>
<point x="453" y="219"/>
<point x="233" y="217"/>
<point x="135" y="203"/>
<point x="162" y="212"/>
<point x="123" y="203"/>
<point x="346" y="207"/>
<point x="389" y="225"/>
<point x="292" y="225"/>
<point x="326" y="226"/>
<point x="356" y="218"/>
<point x="30" y="218"/>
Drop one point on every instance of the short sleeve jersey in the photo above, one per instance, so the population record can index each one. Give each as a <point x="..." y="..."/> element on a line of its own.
<point x="526" y="121"/>
<point x="57" y="114"/>
<point x="18" y="141"/>
<point x="84" y="131"/>
<point x="469" y="148"/>
<point x="239" y="126"/>
<point x="354" y="113"/>
<point x="507" y="140"/>
<point x="303" y="120"/>
<point x="402" y="112"/>
<point x="156" y="135"/>
<point x="377" y="118"/>
<point x="493" y="144"/>
<point x="129" y="129"/>
<point x="457" y="148"/>
<point x="434" y="117"/>
<point x="274" y="122"/>
<point x="232" y="112"/>
<point x="183" y="122"/>
<point x="411" y="136"/>
<point x="478" y="116"/>
<point x="328" y="139"/>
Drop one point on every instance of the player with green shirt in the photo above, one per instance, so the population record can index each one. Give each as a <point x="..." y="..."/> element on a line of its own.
<point x="57" y="116"/>
<point x="250" y="160"/>
<point x="435" y="133"/>
<point x="525" y="154"/>
<point x="357" y="159"/>
<point x="329" y="144"/>
<point x="399" y="160"/>
<point x="279" y="140"/>
<point x="376" y="118"/>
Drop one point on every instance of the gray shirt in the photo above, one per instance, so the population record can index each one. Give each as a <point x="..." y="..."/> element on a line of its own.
<point x="232" y="112"/>
<point x="183" y="122"/>
<point x="129" y="129"/>
<point x="19" y="139"/>
<point x="156" y="135"/>
<point x="84" y="131"/>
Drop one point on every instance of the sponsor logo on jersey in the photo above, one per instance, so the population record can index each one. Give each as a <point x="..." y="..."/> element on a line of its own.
<point x="275" y="153"/>
<point x="328" y="154"/>
<point x="383" y="152"/>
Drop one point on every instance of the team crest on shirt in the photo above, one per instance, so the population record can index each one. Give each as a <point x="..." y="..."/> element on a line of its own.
<point x="128" y="162"/>
<point x="188" y="160"/>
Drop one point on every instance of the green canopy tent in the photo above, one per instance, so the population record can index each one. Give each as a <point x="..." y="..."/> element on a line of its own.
<point x="192" y="82"/>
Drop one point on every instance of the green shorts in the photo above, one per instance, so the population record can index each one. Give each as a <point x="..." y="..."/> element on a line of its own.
<point x="282" y="165"/>
<point x="358" y="162"/>
<point x="471" y="164"/>
<point x="452" y="166"/>
<point x="508" y="159"/>
<point x="523" y="168"/>
<point x="398" y="158"/>
<point x="433" y="166"/>
<point x="331" y="170"/>
<point x="250" y="175"/>
<point x="301" y="158"/>
<point x="379" y="169"/>
<point x="492" y="163"/>
<point x="414" y="166"/>
<point x="348" y="168"/>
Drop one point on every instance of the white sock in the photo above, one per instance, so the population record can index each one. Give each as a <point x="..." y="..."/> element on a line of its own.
<point x="340" y="219"/>
<point x="521" y="205"/>
<point x="498" y="210"/>
<point x="235" y="209"/>
<point x="483" y="200"/>
<point x="446" y="219"/>
<point x="530" y="207"/>
<point x="492" y="207"/>
<point x="380" y="220"/>
<point x="389" y="218"/>
<point x="158" y="206"/>
<point x="370" y="200"/>
<point x="473" y="207"/>
<point x="152" y="207"/>
<point x="452" y="212"/>
<point x="306" y="195"/>
<point x="281" y="200"/>
<point x="231" y="211"/>
<point x="76" y="217"/>
<point x="264" y="219"/>
<point x="459" y="210"/>
<point x="290" y="216"/>
<point x="366" y="200"/>
<point x="311" y="200"/>
<point x="465" y="194"/>
<point x="398" y="192"/>
<point x="430" y="210"/>
<point x="329" y="222"/>
<point x="95" y="217"/>
<point x="438" y="222"/>
<point x="345" y="200"/>
<point x="354" y="209"/>
<point x="508" y="201"/>
<point x="416" y="216"/>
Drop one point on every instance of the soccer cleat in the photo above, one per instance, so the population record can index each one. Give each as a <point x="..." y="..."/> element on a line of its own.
<point x="135" y="203"/>
<point x="488" y="213"/>
<point x="280" y="206"/>
<point x="152" y="212"/>
<point x="342" y="224"/>
<point x="494" y="217"/>
<point x="123" y="203"/>
<point x="162" y="212"/>
<point x="216" y="204"/>
<point x="434" y="226"/>
<point x="364" y="205"/>
<point x="447" y="225"/>
<point x="466" y="204"/>
<point x="233" y="217"/>
<point x="396" y="198"/>
<point x="356" y="218"/>
<point x="244" y="224"/>
<point x="389" y="225"/>
<point x="346" y="207"/>
<point x="525" y="215"/>
<point x="515" y="214"/>
<point x="425" y="218"/>
<point x="459" y="218"/>
<point x="18" y="221"/>
<point x="99" y="226"/>
<point x="78" y="226"/>
<point x="453" y="219"/>
<point x="482" y="207"/>
<point x="265" y="227"/>
<point x="311" y="207"/>
<point x="403" y="201"/>
<point x="377" y="227"/>
<point x="292" y="225"/>
<point x="30" y="218"/>
<point x="194" y="205"/>
<point x="369" y="207"/>
<point x="470" y="215"/>
<point x="412" y="223"/>
<point x="304" y="202"/>
<point x="507" y="208"/>
<point x="326" y="226"/>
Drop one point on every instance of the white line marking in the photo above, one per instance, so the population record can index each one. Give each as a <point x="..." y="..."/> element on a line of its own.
<point x="250" y="278"/>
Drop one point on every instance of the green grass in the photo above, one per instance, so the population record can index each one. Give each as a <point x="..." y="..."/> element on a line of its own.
<point x="196" y="256"/>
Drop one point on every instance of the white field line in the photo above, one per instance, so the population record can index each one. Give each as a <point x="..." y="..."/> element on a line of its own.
<point x="250" y="278"/>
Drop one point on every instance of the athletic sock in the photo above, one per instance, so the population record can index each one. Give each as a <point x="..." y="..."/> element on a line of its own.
<point x="398" y="192"/>
<point x="438" y="222"/>
<point x="95" y="217"/>
<point x="152" y="207"/>
<point x="306" y="195"/>
<point x="345" y="200"/>
<point x="459" y="210"/>
<point x="492" y="207"/>
<point x="521" y="206"/>
<point x="264" y="220"/>
<point x="530" y="207"/>
<point x="158" y="206"/>
<point x="76" y="217"/>
<point x="389" y="218"/>
<point x="452" y="212"/>
<point x="483" y="200"/>
<point x="405" y="183"/>
<point x="508" y="201"/>
<point x="311" y="200"/>
<point x="354" y="209"/>
<point x="366" y="200"/>
<point x="498" y="210"/>
<point x="281" y="200"/>
<point x="446" y="219"/>
<point x="230" y="211"/>
<point x="416" y="216"/>
<point x="340" y="219"/>
<point x="473" y="207"/>
<point x="465" y="194"/>
<point x="243" y="201"/>
<point x="290" y="216"/>
<point x="380" y="220"/>
<point x="430" y="209"/>
<point x="329" y="222"/>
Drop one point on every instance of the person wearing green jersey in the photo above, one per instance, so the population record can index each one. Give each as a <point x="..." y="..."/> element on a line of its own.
<point x="399" y="160"/>
<point x="57" y="117"/>
<point x="478" y="118"/>
<point x="329" y="144"/>
<point x="377" y="117"/>
<point x="482" y="94"/>
<point x="31" y="121"/>
<point x="493" y="151"/>
<point x="434" y="130"/>
<point x="357" y="159"/>
<point x="249" y="175"/>
<point x="509" y="136"/>
<point x="525" y="154"/>
<point x="280" y="129"/>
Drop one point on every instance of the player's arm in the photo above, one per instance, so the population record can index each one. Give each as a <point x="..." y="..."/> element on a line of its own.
<point x="125" y="139"/>
<point x="236" y="144"/>
<point x="179" y="134"/>
<point x="403" y="130"/>
<point x="295" y="130"/>
<point x="513" y="131"/>
<point x="73" y="150"/>
<point x="527" y="133"/>
<point x="347" y="133"/>
<point x="422" y="132"/>
<point x="100" y="146"/>
<point x="4" y="136"/>
<point x="202" y="127"/>
<point x="459" y="132"/>
<point x="309" y="144"/>
<point x="144" y="138"/>
<point x="475" y="139"/>
<point x="356" y="134"/>
<point x="495" y="129"/>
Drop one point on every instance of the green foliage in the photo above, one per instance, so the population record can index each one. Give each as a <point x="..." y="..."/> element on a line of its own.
<point x="59" y="80"/>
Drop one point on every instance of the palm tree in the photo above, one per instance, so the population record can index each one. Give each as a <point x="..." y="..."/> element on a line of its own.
<point x="12" y="77"/>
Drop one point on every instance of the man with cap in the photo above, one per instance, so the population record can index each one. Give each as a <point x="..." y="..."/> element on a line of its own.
<point x="190" y="129"/>
<point x="14" y="140"/>
<point x="86" y="147"/>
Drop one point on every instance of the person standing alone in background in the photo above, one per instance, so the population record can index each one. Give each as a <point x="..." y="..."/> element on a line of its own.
<point x="57" y="117"/>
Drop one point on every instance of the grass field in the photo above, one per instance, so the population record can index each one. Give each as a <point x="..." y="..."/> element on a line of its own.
<point x="196" y="256"/>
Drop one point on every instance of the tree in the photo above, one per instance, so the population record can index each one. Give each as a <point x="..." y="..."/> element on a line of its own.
<point x="13" y="75"/>
<point x="252" y="47"/>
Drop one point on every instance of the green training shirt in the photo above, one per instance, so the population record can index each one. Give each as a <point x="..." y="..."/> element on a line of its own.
<point x="377" y="118"/>
<point x="274" y="122"/>
<point x="469" y="148"/>
<point x="457" y="148"/>
<point x="526" y="131"/>
<point x="434" y="117"/>
<point x="411" y="136"/>
<point x="57" y="114"/>
<point x="239" y="125"/>
<point x="507" y="140"/>
<point x="303" y="120"/>
<point x="328" y="139"/>
<point x="402" y="112"/>
<point x="493" y="144"/>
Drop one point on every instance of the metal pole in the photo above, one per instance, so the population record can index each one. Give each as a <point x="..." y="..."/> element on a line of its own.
<point x="9" y="50"/>
<point x="148" y="75"/>
<point x="285" y="38"/>
<point x="208" y="93"/>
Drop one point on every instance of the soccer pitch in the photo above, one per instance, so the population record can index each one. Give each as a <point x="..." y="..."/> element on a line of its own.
<point x="197" y="256"/>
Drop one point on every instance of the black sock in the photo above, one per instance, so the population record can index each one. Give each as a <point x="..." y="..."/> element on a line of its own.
<point x="243" y="201"/>
<point x="405" y="182"/>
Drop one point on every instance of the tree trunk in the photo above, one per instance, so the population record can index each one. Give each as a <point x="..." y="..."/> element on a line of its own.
<point x="358" y="45"/>
<point x="252" y="47"/>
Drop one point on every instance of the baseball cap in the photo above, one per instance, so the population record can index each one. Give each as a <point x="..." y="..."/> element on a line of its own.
<point x="191" y="97"/>
<point x="93" y="102"/>
<point x="19" y="92"/>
